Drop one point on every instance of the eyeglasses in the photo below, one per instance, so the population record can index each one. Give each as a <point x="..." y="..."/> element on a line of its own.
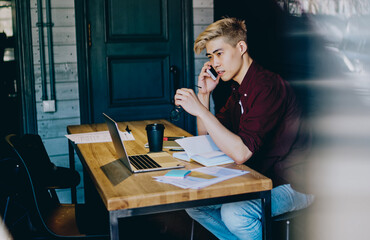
<point x="176" y="113"/>
<point x="177" y="110"/>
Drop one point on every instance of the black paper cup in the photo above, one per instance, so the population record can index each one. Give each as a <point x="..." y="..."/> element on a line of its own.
<point x="155" y="136"/>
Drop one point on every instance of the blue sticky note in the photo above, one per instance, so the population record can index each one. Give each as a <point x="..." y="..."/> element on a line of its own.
<point x="177" y="173"/>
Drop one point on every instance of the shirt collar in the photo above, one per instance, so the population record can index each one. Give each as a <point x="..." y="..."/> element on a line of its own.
<point x="248" y="76"/>
<point x="235" y="91"/>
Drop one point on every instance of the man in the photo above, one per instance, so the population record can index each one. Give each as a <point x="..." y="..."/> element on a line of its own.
<point x="260" y="126"/>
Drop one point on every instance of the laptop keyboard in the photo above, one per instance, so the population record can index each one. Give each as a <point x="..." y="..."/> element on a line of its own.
<point x="143" y="162"/>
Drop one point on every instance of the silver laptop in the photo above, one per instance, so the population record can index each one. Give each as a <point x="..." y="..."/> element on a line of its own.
<point x="139" y="163"/>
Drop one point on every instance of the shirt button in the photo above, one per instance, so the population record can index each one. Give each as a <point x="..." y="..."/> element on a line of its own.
<point x="245" y="94"/>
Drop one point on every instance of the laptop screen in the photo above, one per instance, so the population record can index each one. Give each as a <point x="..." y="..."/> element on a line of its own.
<point x="117" y="141"/>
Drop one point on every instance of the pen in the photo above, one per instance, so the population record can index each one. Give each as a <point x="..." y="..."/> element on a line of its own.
<point x="176" y="150"/>
<point x="172" y="138"/>
<point x="128" y="130"/>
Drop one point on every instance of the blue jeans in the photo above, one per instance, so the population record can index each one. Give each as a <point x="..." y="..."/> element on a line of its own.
<point x="242" y="220"/>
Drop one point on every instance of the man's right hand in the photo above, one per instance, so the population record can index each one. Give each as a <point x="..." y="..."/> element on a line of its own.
<point x="205" y="81"/>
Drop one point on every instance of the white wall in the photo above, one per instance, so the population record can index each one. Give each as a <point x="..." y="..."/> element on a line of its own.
<point x="202" y="17"/>
<point x="52" y="126"/>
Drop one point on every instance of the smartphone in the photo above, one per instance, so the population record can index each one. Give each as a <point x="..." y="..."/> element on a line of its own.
<point x="213" y="73"/>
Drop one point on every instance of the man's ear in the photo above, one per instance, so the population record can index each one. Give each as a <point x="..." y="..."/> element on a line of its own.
<point x="242" y="46"/>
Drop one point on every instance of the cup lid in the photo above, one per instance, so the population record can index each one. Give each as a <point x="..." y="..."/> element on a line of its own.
<point x="154" y="126"/>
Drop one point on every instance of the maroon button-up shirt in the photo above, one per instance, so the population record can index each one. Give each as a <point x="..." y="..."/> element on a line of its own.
<point x="264" y="112"/>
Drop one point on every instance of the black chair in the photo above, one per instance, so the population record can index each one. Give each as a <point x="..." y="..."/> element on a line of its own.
<point x="288" y="218"/>
<point x="35" y="191"/>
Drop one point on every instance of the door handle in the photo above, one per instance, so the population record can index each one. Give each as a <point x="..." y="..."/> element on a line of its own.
<point x="13" y="92"/>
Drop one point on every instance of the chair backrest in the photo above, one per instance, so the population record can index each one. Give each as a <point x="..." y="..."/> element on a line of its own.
<point x="33" y="152"/>
<point x="36" y="198"/>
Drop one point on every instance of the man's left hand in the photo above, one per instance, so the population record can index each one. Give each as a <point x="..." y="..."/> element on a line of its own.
<point x="188" y="100"/>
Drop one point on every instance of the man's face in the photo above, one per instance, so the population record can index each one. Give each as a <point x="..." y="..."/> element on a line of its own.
<point x="227" y="60"/>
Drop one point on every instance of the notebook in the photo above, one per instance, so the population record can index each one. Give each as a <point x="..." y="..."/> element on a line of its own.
<point x="139" y="163"/>
<point x="203" y="150"/>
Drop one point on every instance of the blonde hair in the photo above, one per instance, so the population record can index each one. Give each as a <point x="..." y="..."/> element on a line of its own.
<point x="231" y="29"/>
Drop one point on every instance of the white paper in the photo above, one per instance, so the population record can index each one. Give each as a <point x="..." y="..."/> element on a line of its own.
<point x="181" y="155"/>
<point x="96" y="137"/>
<point x="211" y="154"/>
<point x="221" y="174"/>
<point x="219" y="160"/>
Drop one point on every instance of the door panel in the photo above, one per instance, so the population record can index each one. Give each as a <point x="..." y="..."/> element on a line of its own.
<point x="135" y="28"/>
<point x="134" y="43"/>
<point x="124" y="93"/>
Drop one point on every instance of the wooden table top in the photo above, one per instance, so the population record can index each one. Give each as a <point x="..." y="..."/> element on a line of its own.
<point x="120" y="189"/>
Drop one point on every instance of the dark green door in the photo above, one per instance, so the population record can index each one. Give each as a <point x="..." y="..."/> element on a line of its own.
<point x="137" y="58"/>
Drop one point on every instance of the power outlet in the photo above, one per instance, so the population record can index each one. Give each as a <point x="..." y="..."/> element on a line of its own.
<point x="48" y="105"/>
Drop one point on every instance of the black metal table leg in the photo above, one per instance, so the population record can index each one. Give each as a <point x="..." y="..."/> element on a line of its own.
<point x="266" y="215"/>
<point x="72" y="166"/>
<point x="113" y="226"/>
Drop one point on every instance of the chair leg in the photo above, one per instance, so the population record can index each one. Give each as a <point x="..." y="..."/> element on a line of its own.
<point x="192" y="229"/>
<point x="287" y="229"/>
<point x="6" y="208"/>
